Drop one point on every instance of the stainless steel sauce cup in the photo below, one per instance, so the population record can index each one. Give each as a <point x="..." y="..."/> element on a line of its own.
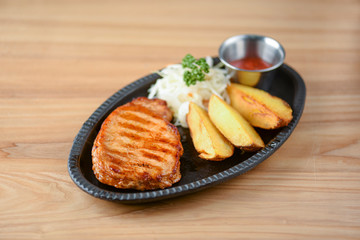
<point x="244" y="46"/>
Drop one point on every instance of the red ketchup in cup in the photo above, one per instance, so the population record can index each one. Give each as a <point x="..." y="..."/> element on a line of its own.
<point x="250" y="63"/>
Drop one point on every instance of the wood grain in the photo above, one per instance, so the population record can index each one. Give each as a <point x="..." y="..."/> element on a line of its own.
<point x="59" y="60"/>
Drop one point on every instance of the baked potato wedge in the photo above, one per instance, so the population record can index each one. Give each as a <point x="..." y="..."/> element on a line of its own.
<point x="207" y="139"/>
<point x="233" y="126"/>
<point x="258" y="107"/>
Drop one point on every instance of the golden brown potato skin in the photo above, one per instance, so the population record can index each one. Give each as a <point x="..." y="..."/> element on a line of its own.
<point x="208" y="141"/>
<point x="233" y="126"/>
<point x="259" y="107"/>
<point x="137" y="148"/>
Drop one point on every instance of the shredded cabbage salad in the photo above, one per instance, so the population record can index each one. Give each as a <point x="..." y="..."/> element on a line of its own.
<point x="172" y="88"/>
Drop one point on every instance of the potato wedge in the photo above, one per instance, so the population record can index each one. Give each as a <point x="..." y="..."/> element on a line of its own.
<point x="233" y="126"/>
<point x="207" y="139"/>
<point x="259" y="107"/>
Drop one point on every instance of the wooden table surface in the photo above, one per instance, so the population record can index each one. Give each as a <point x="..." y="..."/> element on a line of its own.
<point x="59" y="60"/>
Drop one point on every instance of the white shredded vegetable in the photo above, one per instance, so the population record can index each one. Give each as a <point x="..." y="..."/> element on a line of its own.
<point x="172" y="88"/>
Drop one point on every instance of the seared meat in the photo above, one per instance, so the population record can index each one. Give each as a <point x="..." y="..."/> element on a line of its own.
<point x="158" y="106"/>
<point x="137" y="148"/>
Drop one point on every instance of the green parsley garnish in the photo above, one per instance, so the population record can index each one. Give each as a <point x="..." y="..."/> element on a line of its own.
<point x="197" y="69"/>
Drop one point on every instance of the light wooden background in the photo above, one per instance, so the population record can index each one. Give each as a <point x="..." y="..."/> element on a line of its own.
<point x="59" y="60"/>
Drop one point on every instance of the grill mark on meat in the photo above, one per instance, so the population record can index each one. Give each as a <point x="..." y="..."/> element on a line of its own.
<point x="158" y="147"/>
<point x="146" y="153"/>
<point x="118" y="153"/>
<point x="155" y="105"/>
<point x="134" y="127"/>
<point x="146" y="146"/>
<point x="121" y="161"/>
<point x="141" y="119"/>
<point x="140" y="111"/>
<point x="137" y="128"/>
<point x="139" y="138"/>
<point x="121" y="156"/>
<point x="130" y="115"/>
<point x="116" y="169"/>
<point x="117" y="162"/>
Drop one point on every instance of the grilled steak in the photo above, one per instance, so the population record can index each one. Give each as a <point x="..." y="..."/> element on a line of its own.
<point x="137" y="148"/>
<point x="158" y="106"/>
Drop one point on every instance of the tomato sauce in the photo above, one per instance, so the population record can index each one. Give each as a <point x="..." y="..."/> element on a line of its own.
<point x="250" y="63"/>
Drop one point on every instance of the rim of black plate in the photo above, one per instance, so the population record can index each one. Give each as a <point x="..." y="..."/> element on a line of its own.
<point x="147" y="196"/>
